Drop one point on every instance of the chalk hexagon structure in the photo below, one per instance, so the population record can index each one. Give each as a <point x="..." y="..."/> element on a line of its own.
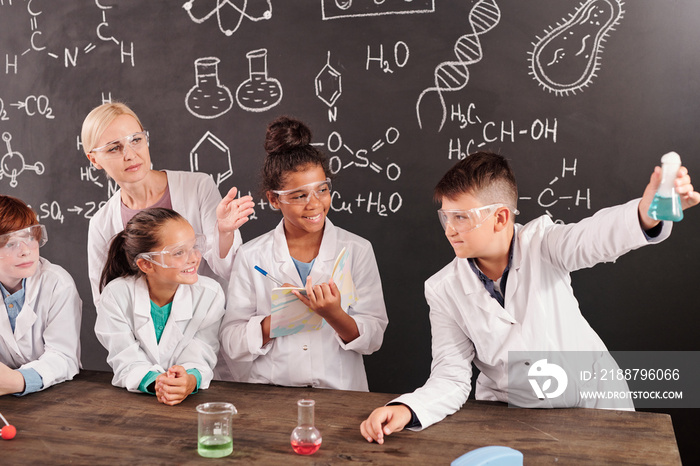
<point x="328" y="85"/>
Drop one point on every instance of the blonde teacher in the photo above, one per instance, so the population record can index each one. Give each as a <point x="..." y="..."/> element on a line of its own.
<point x="114" y="140"/>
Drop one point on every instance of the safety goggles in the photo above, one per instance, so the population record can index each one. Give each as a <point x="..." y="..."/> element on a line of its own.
<point x="117" y="148"/>
<point x="176" y="256"/>
<point x="464" y="221"/>
<point x="32" y="237"/>
<point x="302" y="194"/>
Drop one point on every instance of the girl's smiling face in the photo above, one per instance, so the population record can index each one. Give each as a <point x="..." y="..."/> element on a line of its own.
<point x="171" y="233"/>
<point x="303" y="219"/>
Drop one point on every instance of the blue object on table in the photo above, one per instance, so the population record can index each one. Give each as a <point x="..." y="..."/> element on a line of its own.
<point x="492" y="456"/>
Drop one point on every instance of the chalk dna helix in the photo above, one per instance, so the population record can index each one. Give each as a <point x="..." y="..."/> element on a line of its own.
<point x="453" y="75"/>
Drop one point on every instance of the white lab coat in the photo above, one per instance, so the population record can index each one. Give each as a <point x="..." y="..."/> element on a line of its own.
<point x="540" y="314"/>
<point x="190" y="338"/>
<point x="316" y="358"/>
<point x="195" y="197"/>
<point x="47" y="330"/>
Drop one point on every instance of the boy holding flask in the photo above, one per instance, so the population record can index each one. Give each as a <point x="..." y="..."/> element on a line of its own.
<point x="509" y="289"/>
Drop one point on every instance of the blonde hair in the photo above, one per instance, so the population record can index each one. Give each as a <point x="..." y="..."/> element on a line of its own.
<point x="97" y="121"/>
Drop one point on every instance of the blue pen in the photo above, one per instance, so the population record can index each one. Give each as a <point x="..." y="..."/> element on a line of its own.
<point x="269" y="276"/>
<point x="302" y="292"/>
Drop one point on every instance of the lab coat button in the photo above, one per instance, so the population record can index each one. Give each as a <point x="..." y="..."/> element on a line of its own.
<point x="305" y="347"/>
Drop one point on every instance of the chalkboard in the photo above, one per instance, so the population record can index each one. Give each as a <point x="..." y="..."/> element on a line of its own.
<point x="582" y="97"/>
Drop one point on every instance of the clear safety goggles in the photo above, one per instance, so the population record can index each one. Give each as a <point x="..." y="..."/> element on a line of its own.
<point x="32" y="237"/>
<point x="302" y="194"/>
<point x="176" y="256"/>
<point x="464" y="221"/>
<point x="117" y="148"/>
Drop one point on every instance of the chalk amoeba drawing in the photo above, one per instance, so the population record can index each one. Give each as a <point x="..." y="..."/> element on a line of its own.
<point x="242" y="11"/>
<point x="568" y="56"/>
<point x="12" y="163"/>
<point x="454" y="75"/>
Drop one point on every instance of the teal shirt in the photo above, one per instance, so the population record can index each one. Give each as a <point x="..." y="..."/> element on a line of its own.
<point x="160" y="316"/>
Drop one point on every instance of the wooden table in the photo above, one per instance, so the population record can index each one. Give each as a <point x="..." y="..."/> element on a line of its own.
<point x="88" y="421"/>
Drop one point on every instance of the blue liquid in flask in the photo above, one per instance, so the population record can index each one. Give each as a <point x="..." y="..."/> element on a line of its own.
<point x="666" y="204"/>
<point x="666" y="208"/>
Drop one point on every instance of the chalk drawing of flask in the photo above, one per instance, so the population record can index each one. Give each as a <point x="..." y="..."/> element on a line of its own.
<point x="208" y="98"/>
<point x="259" y="92"/>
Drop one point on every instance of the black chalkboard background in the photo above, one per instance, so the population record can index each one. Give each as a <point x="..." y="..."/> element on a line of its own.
<point x="585" y="139"/>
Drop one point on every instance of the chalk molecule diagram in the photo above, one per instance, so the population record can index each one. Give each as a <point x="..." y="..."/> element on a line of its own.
<point x="329" y="87"/>
<point x="566" y="59"/>
<point x="328" y="84"/>
<point x="453" y="76"/>
<point x="211" y="155"/>
<point x="12" y="163"/>
<point x="70" y="54"/>
<point x="231" y="7"/>
<point x="547" y="198"/>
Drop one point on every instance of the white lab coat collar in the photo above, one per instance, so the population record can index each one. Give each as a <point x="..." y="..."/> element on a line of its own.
<point x="471" y="285"/>
<point x="484" y="300"/>
<point x="513" y="281"/>
<point x="114" y="218"/>
<point x="25" y="319"/>
<point x="6" y="330"/>
<point x="517" y="250"/>
<point x="323" y="265"/>
<point x="143" y="322"/>
<point x="178" y="197"/>
<point x="180" y="314"/>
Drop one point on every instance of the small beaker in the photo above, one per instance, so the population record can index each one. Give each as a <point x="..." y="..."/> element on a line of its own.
<point x="214" y="433"/>
<point x="306" y="438"/>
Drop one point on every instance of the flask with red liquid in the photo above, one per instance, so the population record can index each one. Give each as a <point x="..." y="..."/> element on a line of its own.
<point x="306" y="438"/>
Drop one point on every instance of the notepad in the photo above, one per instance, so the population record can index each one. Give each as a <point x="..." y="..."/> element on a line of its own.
<point x="290" y="315"/>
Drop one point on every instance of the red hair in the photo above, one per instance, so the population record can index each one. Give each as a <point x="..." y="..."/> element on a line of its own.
<point x="15" y="215"/>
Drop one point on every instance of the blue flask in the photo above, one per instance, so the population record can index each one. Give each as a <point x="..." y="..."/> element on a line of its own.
<point x="666" y="204"/>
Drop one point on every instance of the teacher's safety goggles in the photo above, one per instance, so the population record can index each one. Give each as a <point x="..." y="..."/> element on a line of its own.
<point x="116" y="149"/>
<point x="464" y="221"/>
<point x="177" y="255"/>
<point x="302" y="194"/>
<point x="32" y="237"/>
